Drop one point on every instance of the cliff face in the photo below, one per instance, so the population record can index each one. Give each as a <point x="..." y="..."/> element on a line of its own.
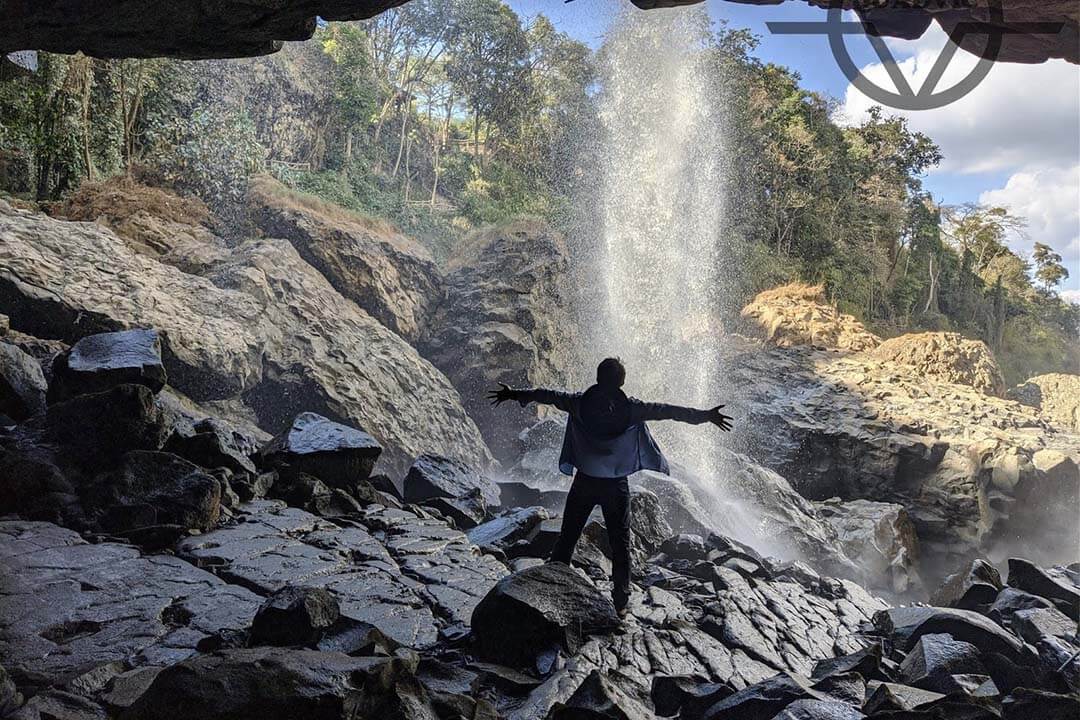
<point x="256" y="323"/>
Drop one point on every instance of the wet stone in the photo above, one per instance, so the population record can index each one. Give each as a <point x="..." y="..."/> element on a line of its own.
<point x="67" y="606"/>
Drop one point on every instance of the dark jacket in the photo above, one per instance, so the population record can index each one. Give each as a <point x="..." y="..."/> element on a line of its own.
<point x="606" y="434"/>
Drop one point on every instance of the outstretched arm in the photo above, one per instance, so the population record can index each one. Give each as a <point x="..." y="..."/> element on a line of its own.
<point x="662" y="411"/>
<point x="524" y="396"/>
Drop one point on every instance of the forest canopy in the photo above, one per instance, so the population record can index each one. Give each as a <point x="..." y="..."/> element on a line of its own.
<point x="445" y="115"/>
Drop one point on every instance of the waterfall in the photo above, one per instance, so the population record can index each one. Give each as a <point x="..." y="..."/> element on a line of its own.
<point x="662" y="212"/>
<point x="662" y="259"/>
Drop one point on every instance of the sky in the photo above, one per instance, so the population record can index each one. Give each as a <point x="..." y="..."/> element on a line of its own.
<point x="1014" y="141"/>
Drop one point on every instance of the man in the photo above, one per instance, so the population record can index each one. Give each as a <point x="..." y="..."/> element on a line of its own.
<point x="606" y="440"/>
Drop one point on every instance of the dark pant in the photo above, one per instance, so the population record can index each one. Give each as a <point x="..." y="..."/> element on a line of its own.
<point x="613" y="497"/>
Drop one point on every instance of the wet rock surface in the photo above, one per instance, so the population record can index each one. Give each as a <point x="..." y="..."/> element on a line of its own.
<point x="22" y="384"/>
<point x="99" y="362"/>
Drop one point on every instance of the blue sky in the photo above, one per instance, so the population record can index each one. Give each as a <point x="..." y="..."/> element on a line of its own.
<point x="1014" y="141"/>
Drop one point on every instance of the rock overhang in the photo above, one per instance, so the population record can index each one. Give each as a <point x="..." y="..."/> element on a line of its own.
<point x="195" y="29"/>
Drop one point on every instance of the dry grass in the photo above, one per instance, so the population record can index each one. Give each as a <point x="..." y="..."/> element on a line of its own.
<point x="794" y="291"/>
<point x="120" y="197"/>
<point x="264" y="188"/>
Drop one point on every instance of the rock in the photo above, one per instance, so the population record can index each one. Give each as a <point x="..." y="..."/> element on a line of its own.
<point x="100" y="362"/>
<point x="231" y="332"/>
<point x="866" y="662"/>
<point x="59" y="705"/>
<point x="69" y="607"/>
<point x="435" y="476"/>
<point x="977" y="585"/>
<point x="1034" y="624"/>
<point x="1026" y="576"/>
<point x="315" y="496"/>
<point x="10" y="697"/>
<point x="391" y="276"/>
<point x="505" y="318"/>
<point x="762" y="701"/>
<point x="547" y="607"/>
<point x="1009" y="601"/>
<point x="847" y="687"/>
<point x="905" y="625"/>
<point x="681" y="509"/>
<point x="684" y="546"/>
<point x="810" y="709"/>
<point x="880" y="537"/>
<point x="268" y="682"/>
<point x="152" y="489"/>
<point x="686" y="695"/>
<point x="467" y="512"/>
<point x="22" y="384"/>
<point x="599" y="697"/>
<point x="797" y="314"/>
<point x="936" y="657"/>
<point x="338" y="455"/>
<point x="847" y="425"/>
<point x="1029" y="704"/>
<point x="946" y="356"/>
<point x="294" y="616"/>
<point x="127" y="687"/>
<point x="503" y="531"/>
<point x="1055" y="395"/>
<point x="887" y="697"/>
<point x="97" y="429"/>
<point x="211" y="444"/>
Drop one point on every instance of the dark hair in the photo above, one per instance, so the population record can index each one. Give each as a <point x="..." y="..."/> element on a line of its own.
<point x="610" y="373"/>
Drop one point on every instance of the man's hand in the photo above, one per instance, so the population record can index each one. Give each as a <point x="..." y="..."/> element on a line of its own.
<point x="720" y="420"/>
<point x="501" y="395"/>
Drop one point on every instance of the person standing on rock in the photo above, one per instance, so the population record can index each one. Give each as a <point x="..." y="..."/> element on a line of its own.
<point x="606" y="440"/>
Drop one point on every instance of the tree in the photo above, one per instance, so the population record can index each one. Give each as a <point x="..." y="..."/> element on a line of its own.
<point x="354" y="87"/>
<point x="1048" y="266"/>
<point x="489" y="62"/>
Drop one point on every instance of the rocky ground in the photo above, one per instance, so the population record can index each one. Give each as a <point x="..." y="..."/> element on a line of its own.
<point x="232" y="486"/>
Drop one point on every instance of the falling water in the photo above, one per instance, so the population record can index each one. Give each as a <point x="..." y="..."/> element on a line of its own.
<point x="663" y="210"/>
<point x="663" y="261"/>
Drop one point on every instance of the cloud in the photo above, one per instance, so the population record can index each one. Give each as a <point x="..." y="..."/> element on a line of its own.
<point x="1050" y="200"/>
<point x="1072" y="296"/>
<point x="1020" y="116"/>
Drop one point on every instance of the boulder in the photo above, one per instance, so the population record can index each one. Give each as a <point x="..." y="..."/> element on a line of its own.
<point x="1026" y="576"/>
<point x="99" y="428"/>
<point x="886" y="697"/>
<point x="505" y="317"/>
<point x="946" y="356"/>
<point x="232" y="324"/>
<point x="99" y="362"/>
<point x="685" y="695"/>
<point x="391" y="276"/>
<point x="1031" y="704"/>
<point x="59" y="705"/>
<point x="434" y="476"/>
<point x="1010" y="601"/>
<point x="339" y="455"/>
<point x="10" y="697"/>
<point x="598" y="696"/>
<point x="936" y="657"/>
<point x="507" y="529"/>
<point x="272" y="683"/>
<point x="22" y="384"/>
<point x="763" y="700"/>
<point x="866" y="662"/>
<point x="541" y="609"/>
<point x="798" y="314"/>
<point x="1035" y="624"/>
<point x="973" y="587"/>
<point x="905" y="625"/>
<point x="466" y="512"/>
<point x="294" y="615"/>
<point x="154" y="490"/>
<point x="1055" y="395"/>
<point x="211" y="444"/>
<point x="811" y="709"/>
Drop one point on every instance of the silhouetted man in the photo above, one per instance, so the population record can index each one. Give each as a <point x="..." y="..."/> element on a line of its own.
<point x="606" y="440"/>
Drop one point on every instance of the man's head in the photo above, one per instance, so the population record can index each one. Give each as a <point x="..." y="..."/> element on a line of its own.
<point x="610" y="373"/>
